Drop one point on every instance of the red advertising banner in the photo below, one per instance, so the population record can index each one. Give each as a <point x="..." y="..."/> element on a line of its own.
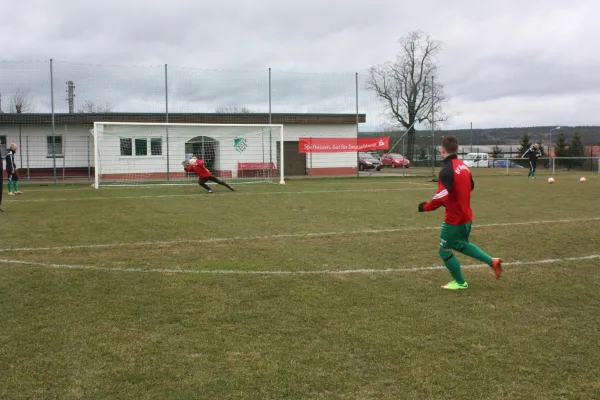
<point x="342" y="145"/>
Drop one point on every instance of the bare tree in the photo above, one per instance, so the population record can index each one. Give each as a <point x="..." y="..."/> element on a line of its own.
<point x="406" y="86"/>
<point x="233" y="110"/>
<point x="89" y="107"/>
<point x="20" y="102"/>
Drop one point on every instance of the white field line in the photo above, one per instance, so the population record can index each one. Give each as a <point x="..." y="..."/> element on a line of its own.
<point x="203" y="192"/>
<point x="284" y="272"/>
<point x="195" y="183"/>
<point x="287" y="235"/>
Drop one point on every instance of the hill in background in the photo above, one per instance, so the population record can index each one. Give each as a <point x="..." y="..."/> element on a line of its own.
<point x="590" y="135"/>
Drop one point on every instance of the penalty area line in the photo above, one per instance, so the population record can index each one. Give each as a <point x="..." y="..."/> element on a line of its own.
<point x="286" y="236"/>
<point x="288" y="272"/>
<point x="201" y="192"/>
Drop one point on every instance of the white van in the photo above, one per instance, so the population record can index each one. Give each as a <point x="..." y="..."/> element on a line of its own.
<point x="477" y="160"/>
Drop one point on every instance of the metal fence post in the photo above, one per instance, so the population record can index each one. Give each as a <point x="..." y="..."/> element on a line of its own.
<point x="167" y="121"/>
<point x="357" y="156"/>
<point x="310" y="157"/>
<point x="63" y="145"/>
<point x="26" y="155"/>
<point x="53" y="124"/>
<point x="89" y="161"/>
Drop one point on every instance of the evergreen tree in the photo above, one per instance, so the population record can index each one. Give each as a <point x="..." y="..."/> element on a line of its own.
<point x="497" y="152"/>
<point x="576" y="149"/>
<point x="525" y="143"/>
<point x="560" y="150"/>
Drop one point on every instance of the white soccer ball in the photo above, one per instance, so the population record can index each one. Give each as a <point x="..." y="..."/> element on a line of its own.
<point x="582" y="180"/>
<point x="551" y="180"/>
<point x="192" y="161"/>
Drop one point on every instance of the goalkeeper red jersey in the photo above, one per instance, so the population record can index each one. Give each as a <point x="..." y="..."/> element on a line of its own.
<point x="199" y="169"/>
<point x="454" y="192"/>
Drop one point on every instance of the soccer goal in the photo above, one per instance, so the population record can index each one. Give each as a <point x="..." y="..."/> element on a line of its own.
<point x="129" y="153"/>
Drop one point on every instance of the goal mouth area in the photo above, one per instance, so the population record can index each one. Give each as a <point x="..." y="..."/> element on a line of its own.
<point x="152" y="153"/>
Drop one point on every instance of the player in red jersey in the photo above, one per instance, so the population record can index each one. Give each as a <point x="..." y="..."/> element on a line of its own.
<point x="204" y="175"/>
<point x="455" y="184"/>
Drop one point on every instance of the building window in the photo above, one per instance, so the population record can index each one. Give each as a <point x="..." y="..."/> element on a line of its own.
<point x="141" y="147"/>
<point x="54" y="148"/>
<point x="126" y="147"/>
<point x="156" y="147"/>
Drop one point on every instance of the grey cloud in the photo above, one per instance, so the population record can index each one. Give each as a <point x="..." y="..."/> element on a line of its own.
<point x="525" y="75"/>
<point x="494" y="50"/>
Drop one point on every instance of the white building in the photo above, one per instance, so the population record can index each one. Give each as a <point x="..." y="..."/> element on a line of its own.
<point x="68" y="149"/>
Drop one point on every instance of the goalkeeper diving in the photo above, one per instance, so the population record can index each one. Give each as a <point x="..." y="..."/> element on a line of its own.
<point x="204" y="175"/>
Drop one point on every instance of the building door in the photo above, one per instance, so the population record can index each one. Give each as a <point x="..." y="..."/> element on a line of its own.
<point x="293" y="161"/>
<point x="205" y="148"/>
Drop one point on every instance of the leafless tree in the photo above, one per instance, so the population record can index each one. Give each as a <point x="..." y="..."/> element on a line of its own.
<point x="89" y="107"/>
<point x="21" y="103"/>
<point x="406" y="86"/>
<point x="233" y="110"/>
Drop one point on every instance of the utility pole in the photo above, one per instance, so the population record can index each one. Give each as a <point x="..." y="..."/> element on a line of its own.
<point x="471" y="138"/>
<point x="433" y="127"/>
<point x="71" y="96"/>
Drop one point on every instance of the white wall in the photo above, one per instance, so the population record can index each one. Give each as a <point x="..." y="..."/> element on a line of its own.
<point x="78" y="150"/>
<point x="77" y="145"/>
<point x="259" y="146"/>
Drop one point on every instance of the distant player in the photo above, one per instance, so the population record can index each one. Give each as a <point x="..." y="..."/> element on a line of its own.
<point x="204" y="175"/>
<point x="11" y="170"/>
<point x="533" y="153"/>
<point x="454" y="193"/>
<point x="1" y="182"/>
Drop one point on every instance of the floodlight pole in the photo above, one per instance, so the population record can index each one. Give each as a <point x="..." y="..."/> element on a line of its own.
<point x="270" y="99"/>
<point x="167" y="121"/>
<point x="53" y="123"/>
<point x="471" y="137"/>
<point x="550" y="147"/>
<point x="357" y="153"/>
<point x="432" y="129"/>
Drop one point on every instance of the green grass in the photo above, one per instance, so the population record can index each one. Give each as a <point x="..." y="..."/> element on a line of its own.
<point x="146" y="314"/>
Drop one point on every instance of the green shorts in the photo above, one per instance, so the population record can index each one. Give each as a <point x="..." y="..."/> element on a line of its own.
<point x="454" y="236"/>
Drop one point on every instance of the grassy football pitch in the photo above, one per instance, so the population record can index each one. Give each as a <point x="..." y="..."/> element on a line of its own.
<point x="319" y="289"/>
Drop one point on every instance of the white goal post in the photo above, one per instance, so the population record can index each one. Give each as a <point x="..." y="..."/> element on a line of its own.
<point x="131" y="153"/>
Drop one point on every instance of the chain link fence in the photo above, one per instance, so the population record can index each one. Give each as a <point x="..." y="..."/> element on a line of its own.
<point x="48" y="107"/>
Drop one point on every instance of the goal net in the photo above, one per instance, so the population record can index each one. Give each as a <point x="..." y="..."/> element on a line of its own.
<point x="152" y="153"/>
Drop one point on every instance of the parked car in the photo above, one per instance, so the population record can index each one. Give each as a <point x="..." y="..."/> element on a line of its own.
<point x="476" y="160"/>
<point x="502" y="164"/>
<point x="367" y="161"/>
<point x="394" y="160"/>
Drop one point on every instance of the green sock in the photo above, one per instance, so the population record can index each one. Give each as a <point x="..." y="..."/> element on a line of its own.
<point x="475" y="252"/>
<point x="16" y="185"/>
<point x="453" y="265"/>
<point x="9" y="186"/>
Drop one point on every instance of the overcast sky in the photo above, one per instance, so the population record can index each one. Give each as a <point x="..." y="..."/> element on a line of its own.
<point x="513" y="63"/>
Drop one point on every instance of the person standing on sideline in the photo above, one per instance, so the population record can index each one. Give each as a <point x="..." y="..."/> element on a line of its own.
<point x="204" y="175"/>
<point x="1" y="182"/>
<point x="455" y="184"/>
<point x="533" y="153"/>
<point x="11" y="170"/>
